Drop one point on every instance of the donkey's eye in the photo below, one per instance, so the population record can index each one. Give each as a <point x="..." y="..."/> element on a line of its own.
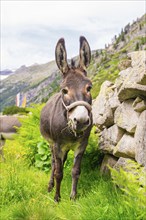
<point x="89" y="88"/>
<point x="64" y="91"/>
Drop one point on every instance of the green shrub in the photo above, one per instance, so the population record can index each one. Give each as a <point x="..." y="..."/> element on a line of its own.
<point x="43" y="156"/>
<point x="30" y="137"/>
<point x="132" y="182"/>
<point x="11" y="110"/>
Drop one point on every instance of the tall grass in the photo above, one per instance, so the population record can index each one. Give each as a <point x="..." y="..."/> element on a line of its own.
<point x="24" y="193"/>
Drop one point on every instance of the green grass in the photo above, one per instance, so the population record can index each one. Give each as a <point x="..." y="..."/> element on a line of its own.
<point x="24" y="192"/>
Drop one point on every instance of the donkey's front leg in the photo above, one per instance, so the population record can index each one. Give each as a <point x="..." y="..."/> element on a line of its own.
<point x="58" y="171"/>
<point x="75" y="174"/>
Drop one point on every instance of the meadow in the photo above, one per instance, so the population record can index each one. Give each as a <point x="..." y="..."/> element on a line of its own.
<point x="25" y="175"/>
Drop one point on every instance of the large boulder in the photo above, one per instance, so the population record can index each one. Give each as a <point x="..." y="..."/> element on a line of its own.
<point x="125" y="116"/>
<point x="102" y="112"/>
<point x="140" y="140"/>
<point x="138" y="58"/>
<point x="113" y="99"/>
<point x="131" y="90"/>
<point x="123" y="163"/>
<point x="109" y="138"/>
<point x="125" y="147"/>
<point x="108" y="161"/>
<point x="132" y="81"/>
<point x="122" y="76"/>
<point x="139" y="104"/>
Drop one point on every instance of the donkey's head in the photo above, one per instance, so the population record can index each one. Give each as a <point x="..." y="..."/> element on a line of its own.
<point x="75" y="87"/>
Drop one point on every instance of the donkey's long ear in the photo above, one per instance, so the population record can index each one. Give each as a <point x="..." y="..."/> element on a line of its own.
<point x="85" y="53"/>
<point x="61" y="56"/>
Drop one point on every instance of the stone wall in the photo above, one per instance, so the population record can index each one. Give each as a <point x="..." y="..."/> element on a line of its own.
<point x="119" y="112"/>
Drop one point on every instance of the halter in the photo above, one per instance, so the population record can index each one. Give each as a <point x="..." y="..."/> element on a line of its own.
<point x="75" y="104"/>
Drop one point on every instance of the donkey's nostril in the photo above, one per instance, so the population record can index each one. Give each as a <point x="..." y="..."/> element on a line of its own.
<point x="87" y="122"/>
<point x="75" y="119"/>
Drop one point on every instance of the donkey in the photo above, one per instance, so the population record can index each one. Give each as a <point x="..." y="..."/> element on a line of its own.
<point x="66" y="119"/>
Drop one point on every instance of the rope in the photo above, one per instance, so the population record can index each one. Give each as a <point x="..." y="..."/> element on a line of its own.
<point x="77" y="103"/>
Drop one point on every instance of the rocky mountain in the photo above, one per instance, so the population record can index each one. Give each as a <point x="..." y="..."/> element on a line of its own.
<point x="40" y="81"/>
<point x="6" y="72"/>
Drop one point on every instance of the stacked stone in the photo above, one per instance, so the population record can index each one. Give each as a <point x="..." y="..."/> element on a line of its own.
<point x="119" y="112"/>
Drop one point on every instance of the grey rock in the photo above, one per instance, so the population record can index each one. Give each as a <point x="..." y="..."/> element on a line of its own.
<point x="138" y="72"/>
<point x="132" y="81"/>
<point x="122" y="76"/>
<point x="105" y="146"/>
<point x="140" y="140"/>
<point x="113" y="134"/>
<point x="125" y="147"/>
<point x="124" y="64"/>
<point x="125" y="116"/>
<point x="139" y="104"/>
<point x="109" y="138"/>
<point x="138" y="58"/>
<point x="108" y="161"/>
<point x="123" y="163"/>
<point x="102" y="112"/>
<point x="114" y="100"/>
<point x="131" y="90"/>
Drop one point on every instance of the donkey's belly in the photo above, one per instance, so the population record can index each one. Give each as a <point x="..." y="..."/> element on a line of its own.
<point x="70" y="146"/>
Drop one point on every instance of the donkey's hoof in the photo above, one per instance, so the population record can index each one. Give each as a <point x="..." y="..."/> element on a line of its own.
<point x="50" y="187"/>
<point x="57" y="198"/>
<point x="73" y="196"/>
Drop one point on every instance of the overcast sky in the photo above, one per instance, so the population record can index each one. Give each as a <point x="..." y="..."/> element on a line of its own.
<point x="31" y="29"/>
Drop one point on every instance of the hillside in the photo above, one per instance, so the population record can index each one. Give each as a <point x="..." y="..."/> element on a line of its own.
<point x="40" y="81"/>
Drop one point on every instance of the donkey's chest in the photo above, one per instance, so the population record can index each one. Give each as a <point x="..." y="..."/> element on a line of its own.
<point x="70" y="146"/>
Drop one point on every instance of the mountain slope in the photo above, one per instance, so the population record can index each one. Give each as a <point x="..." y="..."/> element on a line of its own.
<point x="40" y="81"/>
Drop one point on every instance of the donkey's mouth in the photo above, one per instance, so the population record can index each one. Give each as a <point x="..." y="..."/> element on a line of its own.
<point x="78" y="128"/>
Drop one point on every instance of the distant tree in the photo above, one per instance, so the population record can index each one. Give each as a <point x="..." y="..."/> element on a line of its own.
<point x="122" y="35"/>
<point x="140" y="27"/>
<point x="115" y="46"/>
<point x="126" y="28"/>
<point x="97" y="53"/>
<point x="137" y="46"/>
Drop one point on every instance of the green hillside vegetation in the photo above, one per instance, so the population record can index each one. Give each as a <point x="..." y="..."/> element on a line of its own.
<point x="106" y="70"/>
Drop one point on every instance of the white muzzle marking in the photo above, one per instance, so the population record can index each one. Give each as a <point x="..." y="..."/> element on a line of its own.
<point x="79" y="118"/>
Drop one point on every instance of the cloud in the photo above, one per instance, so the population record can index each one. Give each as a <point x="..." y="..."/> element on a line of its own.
<point x="30" y="29"/>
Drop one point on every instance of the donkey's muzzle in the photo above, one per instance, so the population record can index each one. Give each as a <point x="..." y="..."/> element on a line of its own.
<point x="79" y="118"/>
<point x="81" y="126"/>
